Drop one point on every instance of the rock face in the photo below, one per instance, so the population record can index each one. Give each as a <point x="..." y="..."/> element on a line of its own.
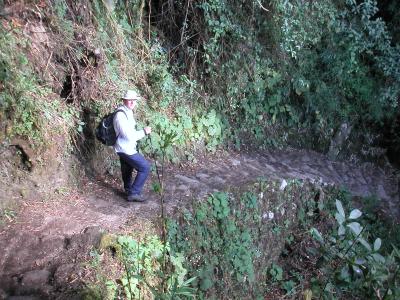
<point x="338" y="141"/>
<point x="49" y="236"/>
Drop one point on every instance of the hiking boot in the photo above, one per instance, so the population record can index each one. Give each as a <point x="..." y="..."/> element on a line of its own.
<point x="135" y="198"/>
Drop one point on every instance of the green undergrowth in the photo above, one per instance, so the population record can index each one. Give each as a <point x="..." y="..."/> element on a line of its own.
<point x="7" y="215"/>
<point x="28" y="109"/>
<point x="232" y="238"/>
<point x="138" y="269"/>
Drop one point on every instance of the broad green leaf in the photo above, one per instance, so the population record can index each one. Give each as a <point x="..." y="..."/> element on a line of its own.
<point x="355" y="227"/>
<point x="396" y="251"/>
<point x="355" y="214"/>
<point x="329" y="287"/>
<point x="124" y="281"/>
<point x="139" y="277"/>
<point x="344" y="273"/>
<point x="341" y="230"/>
<point x="339" y="208"/>
<point x="316" y="235"/>
<point x="189" y="281"/>
<point x="205" y="284"/>
<point x="332" y="239"/>
<point x="365" y="244"/>
<point x="377" y="244"/>
<point x="378" y="258"/>
<point x="360" y="261"/>
<point x="339" y="218"/>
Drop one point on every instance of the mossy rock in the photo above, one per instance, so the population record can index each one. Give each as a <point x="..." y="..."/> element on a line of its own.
<point x="109" y="242"/>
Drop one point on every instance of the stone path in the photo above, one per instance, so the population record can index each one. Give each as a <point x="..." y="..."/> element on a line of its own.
<point x="48" y="237"/>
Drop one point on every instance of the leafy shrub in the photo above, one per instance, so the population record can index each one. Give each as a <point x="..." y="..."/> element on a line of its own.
<point x="145" y="264"/>
<point x="334" y="63"/>
<point x="229" y="248"/>
<point x="149" y="271"/>
<point x="354" y="265"/>
<point x="231" y="239"/>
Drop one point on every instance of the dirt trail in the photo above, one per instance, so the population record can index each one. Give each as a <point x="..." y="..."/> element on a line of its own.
<point x="40" y="247"/>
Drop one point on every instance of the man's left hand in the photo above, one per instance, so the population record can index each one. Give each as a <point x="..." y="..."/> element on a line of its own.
<point x="147" y="130"/>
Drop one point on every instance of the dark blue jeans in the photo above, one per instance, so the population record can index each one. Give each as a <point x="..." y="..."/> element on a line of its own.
<point x="141" y="165"/>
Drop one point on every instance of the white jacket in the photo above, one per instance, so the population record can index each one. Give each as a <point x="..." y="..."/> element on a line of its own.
<point x="125" y="129"/>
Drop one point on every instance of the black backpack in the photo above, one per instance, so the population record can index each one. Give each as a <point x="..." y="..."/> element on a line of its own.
<point x="105" y="132"/>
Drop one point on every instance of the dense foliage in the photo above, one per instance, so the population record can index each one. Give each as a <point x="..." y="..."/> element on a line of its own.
<point x="312" y="65"/>
<point x="286" y="72"/>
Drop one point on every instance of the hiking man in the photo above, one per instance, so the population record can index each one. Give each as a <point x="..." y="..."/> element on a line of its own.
<point x="126" y="147"/>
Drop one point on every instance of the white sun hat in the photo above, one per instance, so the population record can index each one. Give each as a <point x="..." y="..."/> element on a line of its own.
<point x="131" y="95"/>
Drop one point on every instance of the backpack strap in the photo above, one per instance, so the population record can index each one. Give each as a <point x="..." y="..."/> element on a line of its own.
<point x="120" y="109"/>
<point x="115" y="113"/>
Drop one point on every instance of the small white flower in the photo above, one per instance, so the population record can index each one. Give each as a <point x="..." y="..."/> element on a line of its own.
<point x="283" y="185"/>
<point x="268" y="215"/>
